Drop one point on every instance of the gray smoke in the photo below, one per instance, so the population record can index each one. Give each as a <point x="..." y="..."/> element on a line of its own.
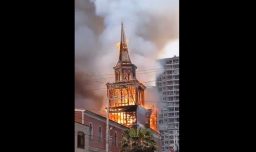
<point x="151" y="96"/>
<point x="149" y="25"/>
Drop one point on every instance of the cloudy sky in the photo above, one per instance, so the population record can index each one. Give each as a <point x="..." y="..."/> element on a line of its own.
<point x="152" y="32"/>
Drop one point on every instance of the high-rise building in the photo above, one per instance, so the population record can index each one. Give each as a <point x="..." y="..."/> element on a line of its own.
<point x="168" y="87"/>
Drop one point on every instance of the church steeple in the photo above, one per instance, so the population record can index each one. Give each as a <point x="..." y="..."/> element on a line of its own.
<point x="124" y="69"/>
<point x="126" y="94"/>
<point x="124" y="55"/>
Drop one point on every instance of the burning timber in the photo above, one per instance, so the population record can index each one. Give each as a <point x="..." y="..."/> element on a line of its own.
<point x="126" y="94"/>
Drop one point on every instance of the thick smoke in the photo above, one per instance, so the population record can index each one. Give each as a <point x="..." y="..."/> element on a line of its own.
<point x="151" y="96"/>
<point x="149" y="26"/>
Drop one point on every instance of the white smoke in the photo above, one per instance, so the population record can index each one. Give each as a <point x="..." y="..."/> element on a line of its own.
<point x="149" y="25"/>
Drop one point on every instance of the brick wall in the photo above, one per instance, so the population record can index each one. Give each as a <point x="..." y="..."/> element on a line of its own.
<point x="78" y="116"/>
<point x="95" y="142"/>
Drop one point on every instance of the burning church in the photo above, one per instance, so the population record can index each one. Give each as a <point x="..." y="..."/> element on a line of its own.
<point x="127" y="108"/>
<point x="126" y="94"/>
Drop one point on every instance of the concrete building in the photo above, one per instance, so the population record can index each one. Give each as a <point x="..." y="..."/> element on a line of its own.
<point x="168" y="87"/>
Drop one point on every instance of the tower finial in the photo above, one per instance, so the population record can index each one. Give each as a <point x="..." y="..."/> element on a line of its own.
<point x="123" y="56"/>
<point x="123" y="41"/>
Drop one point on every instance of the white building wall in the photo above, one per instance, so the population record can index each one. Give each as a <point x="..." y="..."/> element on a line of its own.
<point x="85" y="130"/>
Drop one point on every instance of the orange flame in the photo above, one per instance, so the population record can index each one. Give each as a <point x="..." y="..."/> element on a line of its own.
<point x="153" y="120"/>
<point x="123" y="118"/>
<point x="118" y="45"/>
<point x="126" y="97"/>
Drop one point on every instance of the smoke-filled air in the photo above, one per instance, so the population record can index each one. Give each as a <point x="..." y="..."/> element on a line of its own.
<point x="150" y="26"/>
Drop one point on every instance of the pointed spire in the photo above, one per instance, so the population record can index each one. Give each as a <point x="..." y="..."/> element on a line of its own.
<point x="124" y="55"/>
<point x="123" y="41"/>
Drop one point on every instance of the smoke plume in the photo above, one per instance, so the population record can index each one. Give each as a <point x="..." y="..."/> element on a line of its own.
<point x="149" y="25"/>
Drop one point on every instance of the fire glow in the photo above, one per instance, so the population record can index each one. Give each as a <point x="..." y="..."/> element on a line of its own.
<point x="126" y="94"/>
<point x="121" y="99"/>
<point x="121" y="108"/>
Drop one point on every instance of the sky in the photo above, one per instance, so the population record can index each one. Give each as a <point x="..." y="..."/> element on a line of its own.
<point x="170" y="49"/>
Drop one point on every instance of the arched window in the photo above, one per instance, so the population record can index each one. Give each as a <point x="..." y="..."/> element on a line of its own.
<point x="100" y="134"/>
<point x="80" y="139"/>
<point x="90" y="131"/>
<point x="129" y="75"/>
<point x="115" y="139"/>
<point x="117" y="76"/>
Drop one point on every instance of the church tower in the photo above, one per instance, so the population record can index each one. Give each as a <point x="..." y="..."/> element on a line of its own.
<point x="126" y="94"/>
